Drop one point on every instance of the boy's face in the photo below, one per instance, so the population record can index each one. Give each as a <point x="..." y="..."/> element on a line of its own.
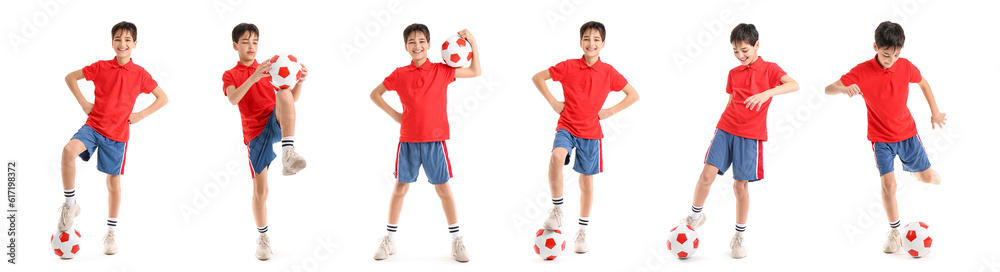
<point x="123" y="43"/>
<point x="745" y="52"/>
<point x="887" y="55"/>
<point x="417" y="45"/>
<point x="246" y="46"/>
<point x="592" y="43"/>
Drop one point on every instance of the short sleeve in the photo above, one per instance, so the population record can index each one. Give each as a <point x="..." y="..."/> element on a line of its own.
<point x="146" y="83"/>
<point x="447" y="72"/>
<point x="557" y="71"/>
<point x="775" y="75"/>
<point x="729" y="83"/>
<point x="90" y="72"/>
<point x="618" y="81"/>
<point x="914" y="73"/>
<point x="227" y="80"/>
<point x="852" y="77"/>
<point x="390" y="81"/>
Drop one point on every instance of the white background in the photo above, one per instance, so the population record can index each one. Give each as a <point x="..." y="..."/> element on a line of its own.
<point x="187" y="192"/>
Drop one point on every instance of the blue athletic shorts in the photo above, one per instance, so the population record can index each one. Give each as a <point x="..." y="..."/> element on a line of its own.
<point x="110" y="153"/>
<point x="261" y="148"/>
<point x="745" y="155"/>
<point x="432" y="155"/>
<point x="910" y="151"/>
<point x="589" y="160"/>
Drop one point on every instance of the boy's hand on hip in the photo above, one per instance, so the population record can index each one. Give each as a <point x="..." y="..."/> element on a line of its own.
<point x="135" y="117"/>
<point x="87" y="107"/>
<point x="604" y="114"/>
<point x="558" y="106"/>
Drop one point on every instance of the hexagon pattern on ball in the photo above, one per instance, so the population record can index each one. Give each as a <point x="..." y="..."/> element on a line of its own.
<point x="683" y="241"/>
<point x="456" y="52"/>
<point x="65" y="244"/>
<point x="549" y="244"/>
<point x="917" y="239"/>
<point x="285" y="71"/>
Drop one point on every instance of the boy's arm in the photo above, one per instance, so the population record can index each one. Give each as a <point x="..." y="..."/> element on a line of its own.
<point x="937" y="118"/>
<point x="473" y="70"/>
<point x="839" y="88"/>
<point x="161" y="100"/>
<point x="71" y="81"/>
<point x="787" y="85"/>
<point x="298" y="85"/>
<point x="631" y="96"/>
<point x="539" y="80"/>
<point x="376" y="97"/>
<point x="235" y="94"/>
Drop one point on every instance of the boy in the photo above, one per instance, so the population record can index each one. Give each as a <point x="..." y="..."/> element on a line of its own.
<point x="883" y="82"/>
<point x="265" y="116"/>
<point x="117" y="83"/>
<point x="422" y="87"/>
<point x="741" y="131"/>
<point x="586" y="84"/>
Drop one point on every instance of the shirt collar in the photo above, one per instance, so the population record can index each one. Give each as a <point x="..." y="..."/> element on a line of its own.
<point x="597" y="64"/>
<point x="753" y="66"/>
<point x="127" y="66"/>
<point x="243" y="67"/>
<point x="413" y="66"/>
<point x="878" y="66"/>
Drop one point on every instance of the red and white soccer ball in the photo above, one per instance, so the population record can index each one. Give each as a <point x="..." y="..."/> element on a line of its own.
<point x="549" y="244"/>
<point x="683" y="241"/>
<point x="66" y="243"/>
<point x="457" y="52"/>
<point x="284" y="71"/>
<point x="917" y="239"/>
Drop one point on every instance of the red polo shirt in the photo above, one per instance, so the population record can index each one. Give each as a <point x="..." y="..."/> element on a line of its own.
<point x="585" y="88"/>
<point x="115" y="89"/>
<point x="885" y="92"/>
<point x="746" y="81"/>
<point x="423" y="91"/>
<point x="256" y="105"/>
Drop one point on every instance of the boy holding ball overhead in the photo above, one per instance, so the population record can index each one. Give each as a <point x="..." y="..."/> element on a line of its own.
<point x="422" y="87"/>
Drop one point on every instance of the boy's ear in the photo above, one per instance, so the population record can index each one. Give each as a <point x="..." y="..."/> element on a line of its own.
<point x="756" y="45"/>
<point x="234" y="46"/>
<point x="875" y="46"/>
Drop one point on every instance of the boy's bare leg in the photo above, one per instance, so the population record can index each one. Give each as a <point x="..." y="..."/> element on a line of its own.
<point x="447" y="202"/>
<point x="556" y="163"/>
<point x="704" y="184"/>
<point x="114" y="195"/>
<point x="742" y="192"/>
<point x="396" y="201"/>
<point x="69" y="154"/>
<point x="285" y="111"/>
<point x="260" y="198"/>
<point x="586" y="194"/>
<point x="889" y="196"/>
<point x="928" y="176"/>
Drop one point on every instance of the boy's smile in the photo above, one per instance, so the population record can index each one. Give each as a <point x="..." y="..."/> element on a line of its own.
<point x="745" y="53"/>
<point x="416" y="45"/>
<point x="123" y="43"/>
<point x="887" y="56"/>
<point x="592" y="43"/>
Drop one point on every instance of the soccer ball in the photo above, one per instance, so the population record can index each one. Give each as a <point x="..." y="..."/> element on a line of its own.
<point x="683" y="241"/>
<point x="284" y="71"/>
<point x="917" y="239"/>
<point x="457" y="52"/>
<point x="549" y="243"/>
<point x="66" y="243"/>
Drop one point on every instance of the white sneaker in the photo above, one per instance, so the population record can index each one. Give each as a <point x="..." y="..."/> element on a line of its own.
<point x="580" y="243"/>
<point x="458" y="250"/>
<point x="291" y="162"/>
<point x="110" y="247"/>
<point x="739" y="250"/>
<point x="694" y="223"/>
<point x="385" y="248"/>
<point x="263" y="247"/>
<point x="66" y="215"/>
<point x="892" y="242"/>
<point x="554" y="221"/>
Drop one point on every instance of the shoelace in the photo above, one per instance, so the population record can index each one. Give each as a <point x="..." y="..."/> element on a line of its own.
<point x="263" y="240"/>
<point x="556" y="213"/>
<point x="459" y="246"/>
<point x="64" y="213"/>
<point x="109" y="239"/>
<point x="384" y="245"/>
<point x="893" y="235"/>
<point x="580" y="236"/>
<point x="737" y="240"/>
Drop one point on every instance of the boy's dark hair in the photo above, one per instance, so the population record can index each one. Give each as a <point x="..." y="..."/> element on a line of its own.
<point x="415" y="27"/>
<point x="744" y="33"/>
<point x="126" y="26"/>
<point x="595" y="26"/>
<point x="242" y="28"/>
<point x="889" y="34"/>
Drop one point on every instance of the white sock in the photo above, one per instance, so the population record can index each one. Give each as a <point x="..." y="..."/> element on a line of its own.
<point x="741" y="227"/>
<point x="287" y="143"/>
<point x="695" y="212"/>
<point x="894" y="224"/>
<point x="584" y="221"/>
<point x="112" y="224"/>
<point x="391" y="230"/>
<point x="70" y="196"/>
<point x="453" y="228"/>
<point x="262" y="230"/>
<point x="557" y="202"/>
